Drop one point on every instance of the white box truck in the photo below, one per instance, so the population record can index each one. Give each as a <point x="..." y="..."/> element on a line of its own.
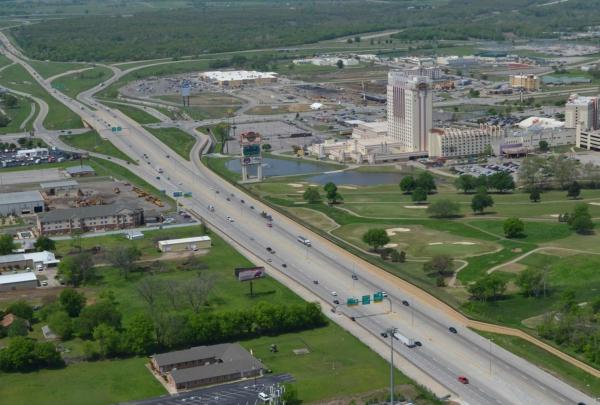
<point x="406" y="341"/>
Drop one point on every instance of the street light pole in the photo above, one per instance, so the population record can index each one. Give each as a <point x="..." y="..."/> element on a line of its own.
<point x="391" y="332"/>
<point x="490" y="340"/>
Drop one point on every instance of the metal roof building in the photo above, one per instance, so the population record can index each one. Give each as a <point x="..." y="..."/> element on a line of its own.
<point x="18" y="281"/>
<point x="193" y="243"/>
<point x="22" y="202"/>
<point x="79" y="171"/>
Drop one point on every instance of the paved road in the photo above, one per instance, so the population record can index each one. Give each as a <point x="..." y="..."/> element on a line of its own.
<point x="443" y="356"/>
<point x="239" y="393"/>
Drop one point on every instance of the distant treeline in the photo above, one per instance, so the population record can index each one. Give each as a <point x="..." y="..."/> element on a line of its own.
<point x="213" y="27"/>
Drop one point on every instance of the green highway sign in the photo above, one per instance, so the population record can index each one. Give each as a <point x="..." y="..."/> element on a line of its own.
<point x="378" y="297"/>
<point x="352" y="301"/>
<point x="119" y="129"/>
<point x="366" y="299"/>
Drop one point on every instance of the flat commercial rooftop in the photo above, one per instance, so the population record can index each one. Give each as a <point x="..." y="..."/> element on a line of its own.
<point x="17" y="278"/>
<point x="21" y="197"/>
<point x="184" y="240"/>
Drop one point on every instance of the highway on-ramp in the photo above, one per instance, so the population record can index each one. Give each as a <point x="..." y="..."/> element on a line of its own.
<point x="496" y="376"/>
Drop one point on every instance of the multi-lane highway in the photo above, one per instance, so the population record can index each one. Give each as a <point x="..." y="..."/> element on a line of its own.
<point x="496" y="376"/>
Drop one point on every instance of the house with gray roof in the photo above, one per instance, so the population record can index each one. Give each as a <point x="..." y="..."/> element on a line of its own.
<point x="95" y="218"/>
<point x="206" y="365"/>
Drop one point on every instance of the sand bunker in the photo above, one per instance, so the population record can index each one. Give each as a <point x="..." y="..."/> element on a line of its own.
<point x="418" y="207"/>
<point x="393" y="231"/>
<point x="554" y="215"/>
<point x="435" y="243"/>
<point x="348" y="187"/>
<point x="594" y="203"/>
<point x="296" y="185"/>
<point x="390" y="245"/>
<point x="300" y="191"/>
<point x="463" y="243"/>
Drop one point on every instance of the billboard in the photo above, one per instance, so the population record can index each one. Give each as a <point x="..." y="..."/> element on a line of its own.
<point x="251" y="160"/>
<point x="250" y="138"/>
<point x="249" y="273"/>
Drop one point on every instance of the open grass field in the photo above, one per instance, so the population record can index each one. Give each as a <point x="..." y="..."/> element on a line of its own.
<point x="92" y="142"/>
<point x="181" y="142"/>
<point x="548" y="362"/>
<point x="49" y="69"/>
<point x="94" y="383"/>
<point x="327" y="371"/>
<point x="17" y="115"/>
<point x="136" y="114"/>
<point x="4" y="61"/>
<point x="59" y="116"/>
<point x="75" y="83"/>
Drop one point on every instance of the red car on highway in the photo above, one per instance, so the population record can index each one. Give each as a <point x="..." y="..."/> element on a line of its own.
<point x="462" y="379"/>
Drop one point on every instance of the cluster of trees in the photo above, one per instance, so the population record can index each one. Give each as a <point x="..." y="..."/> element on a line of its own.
<point x="244" y="26"/>
<point x="440" y="267"/>
<point x="173" y="320"/>
<point x="443" y="208"/>
<point x="558" y="172"/>
<point x="377" y="238"/>
<point x="488" y="288"/>
<point x="500" y="181"/>
<point x="21" y="325"/>
<point x="263" y="61"/>
<point x="480" y="201"/>
<point x="30" y="142"/>
<point x="313" y="196"/>
<point x="418" y="187"/>
<point x="8" y="101"/>
<point x="24" y="354"/>
<point x="575" y="327"/>
<point x="580" y="219"/>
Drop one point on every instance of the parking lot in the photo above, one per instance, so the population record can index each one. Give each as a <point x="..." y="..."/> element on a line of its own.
<point x="30" y="157"/>
<point x="243" y="392"/>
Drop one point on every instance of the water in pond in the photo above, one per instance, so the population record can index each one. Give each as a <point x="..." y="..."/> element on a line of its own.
<point x="281" y="167"/>
<point x="357" y="178"/>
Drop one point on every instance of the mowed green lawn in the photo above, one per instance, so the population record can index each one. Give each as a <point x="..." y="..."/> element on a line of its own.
<point x="59" y="116"/>
<point x="136" y="114"/>
<point x="92" y="142"/>
<point x="90" y="383"/>
<point x="337" y="364"/>
<point x="388" y="201"/>
<point x="181" y="142"/>
<point x="75" y="83"/>
<point x="49" y="69"/>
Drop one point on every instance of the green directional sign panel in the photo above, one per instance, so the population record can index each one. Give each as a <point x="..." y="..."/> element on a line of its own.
<point x="366" y="299"/>
<point x="119" y="129"/>
<point x="114" y="129"/>
<point x="378" y="297"/>
<point x="352" y="301"/>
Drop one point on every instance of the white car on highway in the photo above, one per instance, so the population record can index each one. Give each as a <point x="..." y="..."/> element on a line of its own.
<point x="230" y="219"/>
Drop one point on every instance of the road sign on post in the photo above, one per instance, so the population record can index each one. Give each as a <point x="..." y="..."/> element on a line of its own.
<point x="119" y="129"/>
<point x="114" y="129"/>
<point x="352" y="301"/>
<point x="366" y="299"/>
<point x="378" y="297"/>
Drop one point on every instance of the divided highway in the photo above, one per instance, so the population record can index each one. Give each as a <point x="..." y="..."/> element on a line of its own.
<point x="496" y="376"/>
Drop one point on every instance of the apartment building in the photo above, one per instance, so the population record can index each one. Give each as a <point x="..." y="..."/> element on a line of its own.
<point x="93" y="218"/>
<point x="525" y="82"/>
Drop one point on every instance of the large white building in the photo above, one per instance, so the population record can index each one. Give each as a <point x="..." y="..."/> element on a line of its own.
<point x="409" y="110"/>
<point x="582" y="111"/>
<point x="462" y="142"/>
